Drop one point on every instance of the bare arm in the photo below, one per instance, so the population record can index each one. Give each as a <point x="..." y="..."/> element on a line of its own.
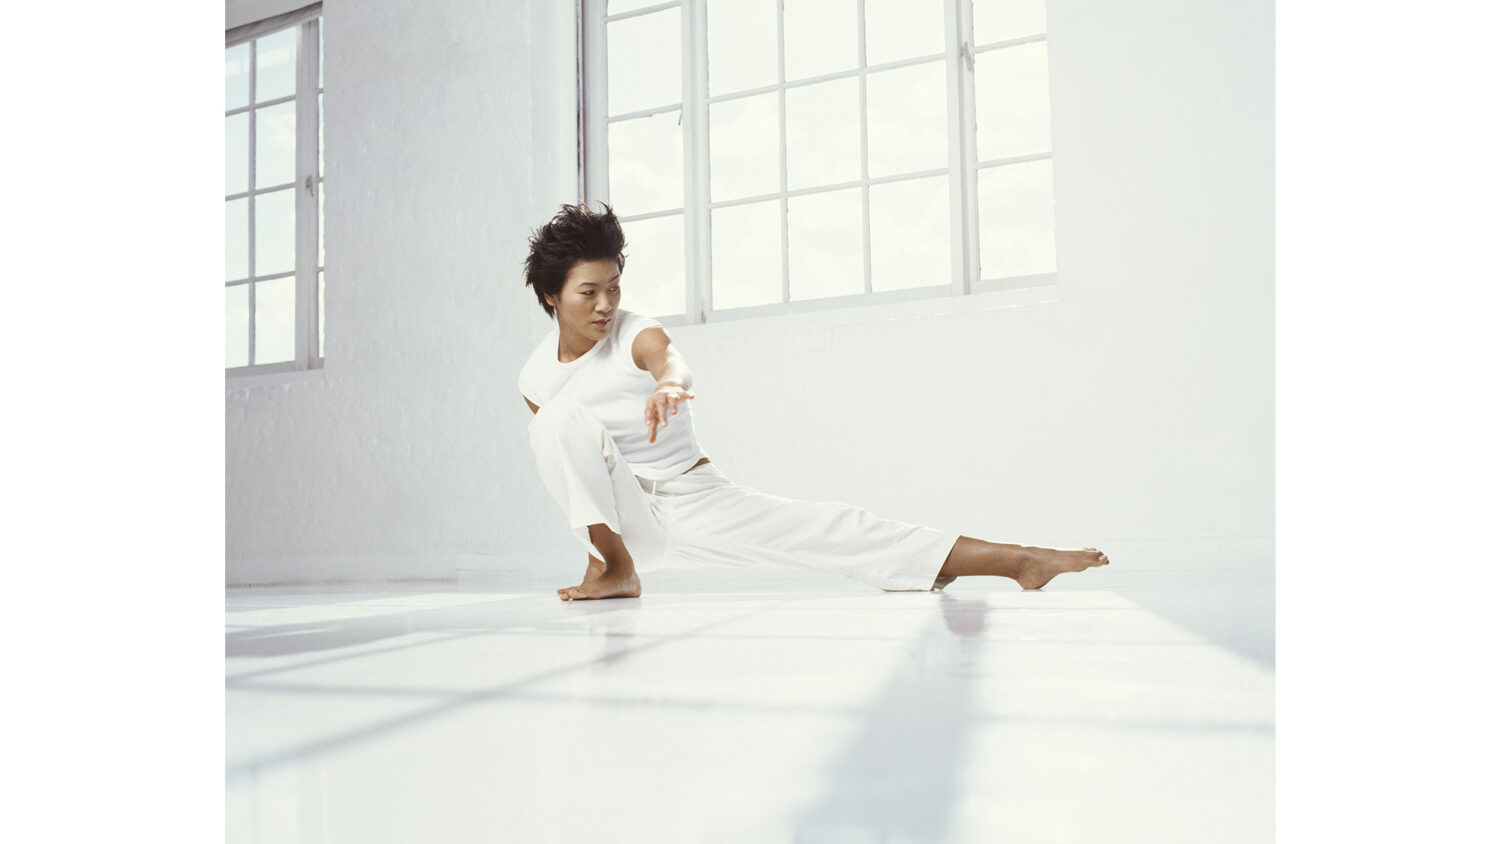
<point x="653" y="351"/>
<point x="533" y="407"/>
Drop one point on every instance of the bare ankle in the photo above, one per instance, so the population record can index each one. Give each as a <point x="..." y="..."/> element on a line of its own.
<point x="621" y="566"/>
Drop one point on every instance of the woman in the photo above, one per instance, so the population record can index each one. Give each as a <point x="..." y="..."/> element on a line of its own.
<point x="640" y="492"/>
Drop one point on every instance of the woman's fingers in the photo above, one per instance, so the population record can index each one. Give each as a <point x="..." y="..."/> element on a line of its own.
<point x="655" y="417"/>
<point x="662" y="405"/>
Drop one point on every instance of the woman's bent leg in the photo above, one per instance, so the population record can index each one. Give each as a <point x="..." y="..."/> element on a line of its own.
<point x="581" y="467"/>
<point x="615" y="577"/>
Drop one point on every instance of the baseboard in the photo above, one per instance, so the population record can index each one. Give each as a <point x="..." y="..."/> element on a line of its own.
<point x="535" y="571"/>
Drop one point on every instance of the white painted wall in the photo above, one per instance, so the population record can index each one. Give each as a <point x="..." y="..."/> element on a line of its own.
<point x="1134" y="410"/>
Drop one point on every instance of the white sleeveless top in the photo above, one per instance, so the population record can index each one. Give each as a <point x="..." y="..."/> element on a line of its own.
<point x="606" y="380"/>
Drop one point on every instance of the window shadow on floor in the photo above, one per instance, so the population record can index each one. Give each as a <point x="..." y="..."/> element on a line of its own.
<point x="899" y="779"/>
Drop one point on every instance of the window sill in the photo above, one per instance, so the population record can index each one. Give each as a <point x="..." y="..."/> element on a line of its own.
<point x="810" y="315"/>
<point x="270" y="379"/>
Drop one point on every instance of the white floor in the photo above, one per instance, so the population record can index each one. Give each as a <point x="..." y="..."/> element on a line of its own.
<point x="1125" y="707"/>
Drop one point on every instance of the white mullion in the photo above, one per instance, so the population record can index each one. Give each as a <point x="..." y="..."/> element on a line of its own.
<point x="903" y="177"/>
<point x="636" y="13"/>
<point x="1015" y="159"/>
<point x="786" y="261"/>
<point x="250" y="205"/>
<point x="827" y="77"/>
<point x="828" y="188"/>
<point x="595" y="104"/>
<point x="258" y="191"/>
<point x="1010" y="42"/>
<point x="963" y="206"/>
<point x="267" y="104"/>
<point x="650" y="215"/>
<point x="695" y="110"/>
<point x="580" y="87"/>
<point x="864" y="148"/>
<point x="306" y="203"/>
<point x="739" y="95"/>
<point x="686" y="59"/>
<point x="647" y="112"/>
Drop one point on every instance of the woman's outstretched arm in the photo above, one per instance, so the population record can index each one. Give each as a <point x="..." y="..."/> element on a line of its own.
<point x="653" y="351"/>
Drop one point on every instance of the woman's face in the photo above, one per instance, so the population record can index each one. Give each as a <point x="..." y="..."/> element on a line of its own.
<point x="589" y="298"/>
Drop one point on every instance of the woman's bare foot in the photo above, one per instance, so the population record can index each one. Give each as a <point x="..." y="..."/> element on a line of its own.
<point x="611" y="583"/>
<point x="595" y="568"/>
<point x="941" y="581"/>
<point x="1047" y="563"/>
<point x="612" y="577"/>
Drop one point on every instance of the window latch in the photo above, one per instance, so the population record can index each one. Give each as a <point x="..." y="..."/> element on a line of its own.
<point x="968" y="51"/>
<point x="308" y="183"/>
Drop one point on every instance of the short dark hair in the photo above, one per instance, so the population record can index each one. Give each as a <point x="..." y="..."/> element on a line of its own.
<point x="577" y="233"/>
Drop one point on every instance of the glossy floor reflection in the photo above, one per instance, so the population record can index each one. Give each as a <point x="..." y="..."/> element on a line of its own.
<point x="795" y="712"/>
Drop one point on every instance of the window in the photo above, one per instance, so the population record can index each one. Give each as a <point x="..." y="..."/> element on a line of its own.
<point x="771" y="156"/>
<point x="273" y="194"/>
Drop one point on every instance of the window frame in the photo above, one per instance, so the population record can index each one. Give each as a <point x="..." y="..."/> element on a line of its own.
<point x="963" y="167"/>
<point x="307" y="184"/>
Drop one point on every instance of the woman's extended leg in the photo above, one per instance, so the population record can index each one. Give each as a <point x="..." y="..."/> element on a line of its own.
<point x="1029" y="566"/>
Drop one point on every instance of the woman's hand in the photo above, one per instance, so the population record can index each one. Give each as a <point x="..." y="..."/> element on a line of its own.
<point x="663" y="403"/>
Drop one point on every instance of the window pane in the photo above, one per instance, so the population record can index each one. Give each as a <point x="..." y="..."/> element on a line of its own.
<point x="909" y="236"/>
<point x="237" y="76"/>
<point x="320" y="313"/>
<point x="822" y="36"/>
<point x="653" y="282"/>
<point x="744" y="147"/>
<point x="320" y="55"/>
<point x="1010" y="102"/>
<point x="747" y="255"/>
<point x="902" y="29"/>
<point x="276" y="145"/>
<point x="320" y="135"/>
<point x="822" y="133"/>
<point x="237" y="153"/>
<point x="645" y="164"/>
<point x="276" y="65"/>
<point x="236" y="239"/>
<point x="908" y="119"/>
<point x="645" y="61"/>
<point x="275" y="233"/>
<point x="322" y="262"/>
<point x="741" y="45"/>
<point x="1000" y="20"/>
<point x="237" y="325"/>
<point x="275" y="314"/>
<point x="825" y="243"/>
<point x="1015" y="220"/>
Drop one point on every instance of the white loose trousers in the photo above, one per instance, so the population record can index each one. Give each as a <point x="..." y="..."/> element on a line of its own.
<point x="702" y="517"/>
